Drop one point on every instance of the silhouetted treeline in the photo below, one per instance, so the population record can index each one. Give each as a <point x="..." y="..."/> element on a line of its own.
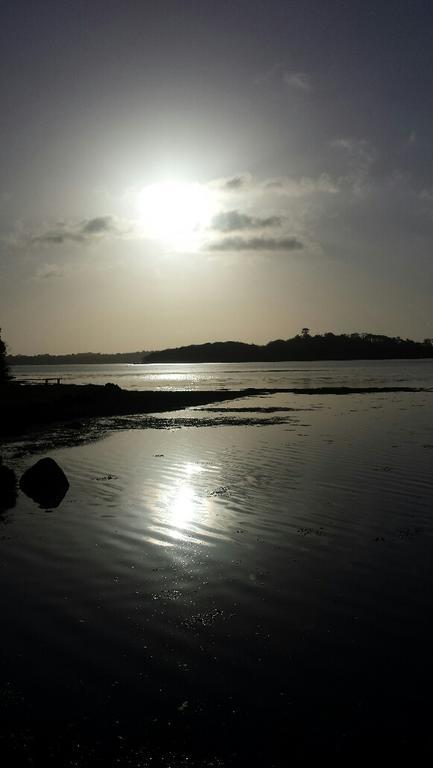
<point x="79" y="358"/>
<point x="327" y="346"/>
<point x="4" y="368"/>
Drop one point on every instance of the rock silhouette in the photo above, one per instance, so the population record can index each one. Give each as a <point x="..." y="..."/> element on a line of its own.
<point x="45" y="482"/>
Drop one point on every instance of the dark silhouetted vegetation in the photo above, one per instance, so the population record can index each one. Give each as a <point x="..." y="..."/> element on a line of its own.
<point x="326" y="346"/>
<point x="5" y="375"/>
<point x="78" y="358"/>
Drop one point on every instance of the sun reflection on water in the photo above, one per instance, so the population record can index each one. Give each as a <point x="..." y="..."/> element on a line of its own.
<point x="181" y="510"/>
<point x="192" y="468"/>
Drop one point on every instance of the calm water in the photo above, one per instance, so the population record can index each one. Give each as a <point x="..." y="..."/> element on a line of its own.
<point x="240" y="375"/>
<point x="251" y="585"/>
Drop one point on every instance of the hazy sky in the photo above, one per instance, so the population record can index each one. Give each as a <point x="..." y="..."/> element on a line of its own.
<point x="185" y="171"/>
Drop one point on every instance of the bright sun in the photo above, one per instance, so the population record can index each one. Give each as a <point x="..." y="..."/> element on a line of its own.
<point x="177" y="213"/>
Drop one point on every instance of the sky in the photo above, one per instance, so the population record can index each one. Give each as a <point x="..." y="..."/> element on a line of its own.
<point x="184" y="171"/>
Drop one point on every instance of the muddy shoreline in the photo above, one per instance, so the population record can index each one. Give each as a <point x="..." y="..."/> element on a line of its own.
<point x="24" y="408"/>
<point x="27" y="407"/>
<point x="37" y="418"/>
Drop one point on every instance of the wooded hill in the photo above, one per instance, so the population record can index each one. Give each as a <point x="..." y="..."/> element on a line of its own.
<point x="327" y="346"/>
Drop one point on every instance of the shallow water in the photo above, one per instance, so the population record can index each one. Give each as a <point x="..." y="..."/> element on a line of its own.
<point x="212" y="594"/>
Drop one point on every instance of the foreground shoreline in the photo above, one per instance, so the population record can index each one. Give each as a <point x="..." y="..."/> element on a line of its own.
<point x="27" y="407"/>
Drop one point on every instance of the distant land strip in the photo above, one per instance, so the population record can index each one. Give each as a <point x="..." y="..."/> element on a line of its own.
<point x="78" y="358"/>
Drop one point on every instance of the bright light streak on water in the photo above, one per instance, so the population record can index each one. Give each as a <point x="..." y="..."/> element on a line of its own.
<point x="240" y="375"/>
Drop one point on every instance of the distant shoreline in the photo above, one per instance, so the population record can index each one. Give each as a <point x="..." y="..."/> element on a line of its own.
<point x="79" y="358"/>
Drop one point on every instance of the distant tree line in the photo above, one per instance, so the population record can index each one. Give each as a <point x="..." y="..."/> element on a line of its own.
<point x="78" y="358"/>
<point x="303" y="346"/>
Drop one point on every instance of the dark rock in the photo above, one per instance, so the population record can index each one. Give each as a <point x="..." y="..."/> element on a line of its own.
<point x="8" y="488"/>
<point x="45" y="482"/>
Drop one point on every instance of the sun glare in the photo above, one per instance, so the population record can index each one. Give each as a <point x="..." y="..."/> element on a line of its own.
<point x="176" y="213"/>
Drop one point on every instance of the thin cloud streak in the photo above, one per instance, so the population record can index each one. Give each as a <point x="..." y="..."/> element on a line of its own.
<point x="81" y="232"/>
<point x="256" y="244"/>
<point x="237" y="183"/>
<point x="281" y="76"/>
<point x="299" y="81"/>
<point x="235" y="221"/>
<point x="302" y="187"/>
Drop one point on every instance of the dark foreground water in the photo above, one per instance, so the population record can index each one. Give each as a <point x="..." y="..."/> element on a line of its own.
<point x="256" y="589"/>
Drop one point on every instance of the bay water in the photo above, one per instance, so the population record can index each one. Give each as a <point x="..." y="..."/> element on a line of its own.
<point x="247" y="583"/>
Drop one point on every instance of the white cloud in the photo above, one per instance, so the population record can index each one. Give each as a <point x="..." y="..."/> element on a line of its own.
<point x="299" y="81"/>
<point x="279" y="74"/>
<point x="49" y="271"/>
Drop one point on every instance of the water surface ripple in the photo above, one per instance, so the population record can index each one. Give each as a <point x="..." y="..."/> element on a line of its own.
<point x="211" y="596"/>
